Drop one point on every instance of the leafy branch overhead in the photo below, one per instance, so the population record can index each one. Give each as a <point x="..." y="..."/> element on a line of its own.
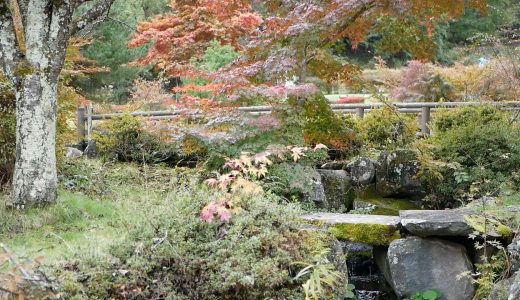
<point x="46" y="25"/>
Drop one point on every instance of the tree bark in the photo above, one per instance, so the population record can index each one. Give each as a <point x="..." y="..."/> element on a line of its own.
<point x="35" y="179"/>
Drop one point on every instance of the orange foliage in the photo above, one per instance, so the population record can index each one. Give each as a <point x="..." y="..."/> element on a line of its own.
<point x="179" y="37"/>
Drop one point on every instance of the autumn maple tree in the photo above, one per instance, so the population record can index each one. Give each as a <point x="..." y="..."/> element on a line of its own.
<point x="298" y="37"/>
<point x="294" y="39"/>
<point x="185" y="34"/>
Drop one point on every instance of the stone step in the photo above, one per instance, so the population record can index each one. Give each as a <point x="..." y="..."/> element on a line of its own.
<point x="457" y="222"/>
<point x="334" y="218"/>
<point x="369" y="229"/>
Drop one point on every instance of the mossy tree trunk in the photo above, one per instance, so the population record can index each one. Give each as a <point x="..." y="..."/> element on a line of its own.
<point x="33" y="41"/>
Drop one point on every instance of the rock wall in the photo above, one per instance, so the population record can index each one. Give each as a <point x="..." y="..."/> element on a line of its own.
<point x="417" y="251"/>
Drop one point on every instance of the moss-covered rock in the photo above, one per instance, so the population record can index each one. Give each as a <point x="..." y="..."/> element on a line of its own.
<point x="339" y="192"/>
<point x="372" y="234"/>
<point x="396" y="174"/>
<point x="368" y="229"/>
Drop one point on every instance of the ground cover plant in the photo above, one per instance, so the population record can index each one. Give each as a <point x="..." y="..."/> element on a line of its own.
<point x="139" y="231"/>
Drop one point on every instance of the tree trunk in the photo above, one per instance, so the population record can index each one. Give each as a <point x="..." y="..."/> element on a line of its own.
<point x="33" y="43"/>
<point x="35" y="176"/>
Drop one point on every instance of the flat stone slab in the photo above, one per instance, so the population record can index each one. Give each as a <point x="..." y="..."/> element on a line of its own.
<point x="368" y="229"/>
<point x="334" y="219"/>
<point x="457" y="222"/>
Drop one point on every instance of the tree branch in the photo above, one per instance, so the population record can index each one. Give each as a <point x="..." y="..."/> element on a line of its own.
<point x="92" y="16"/>
<point x="61" y="18"/>
<point x="22" y="6"/>
<point x="10" y="53"/>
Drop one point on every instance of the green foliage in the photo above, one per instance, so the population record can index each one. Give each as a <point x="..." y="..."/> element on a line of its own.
<point x="217" y="56"/>
<point x="501" y="13"/>
<point x="475" y="152"/>
<point x="252" y="141"/>
<point x="467" y="116"/>
<point x="432" y="294"/>
<point x="320" y="125"/>
<point x="385" y="128"/>
<point x="124" y="139"/>
<point x="110" y="50"/>
<point x="323" y="278"/>
<point x="7" y="131"/>
<point x="291" y="179"/>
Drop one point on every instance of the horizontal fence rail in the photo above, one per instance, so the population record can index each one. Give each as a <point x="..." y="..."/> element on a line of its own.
<point x="84" y="116"/>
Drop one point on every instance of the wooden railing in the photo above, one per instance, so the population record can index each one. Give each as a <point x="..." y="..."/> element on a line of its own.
<point x="85" y="116"/>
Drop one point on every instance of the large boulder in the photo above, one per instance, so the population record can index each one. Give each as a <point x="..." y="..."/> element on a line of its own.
<point x="362" y="171"/>
<point x="396" y="174"/>
<point x="339" y="193"/>
<point x="417" y="264"/>
<point x="457" y="222"/>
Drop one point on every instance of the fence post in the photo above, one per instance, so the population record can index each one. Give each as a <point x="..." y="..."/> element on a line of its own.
<point x="360" y="112"/>
<point x="81" y="124"/>
<point x="425" y="120"/>
<point x="90" y="112"/>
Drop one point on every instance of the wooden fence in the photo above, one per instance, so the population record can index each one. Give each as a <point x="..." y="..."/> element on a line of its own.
<point x="85" y="116"/>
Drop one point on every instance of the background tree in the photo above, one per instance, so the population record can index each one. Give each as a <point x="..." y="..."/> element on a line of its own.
<point x="34" y="35"/>
<point x="109" y="49"/>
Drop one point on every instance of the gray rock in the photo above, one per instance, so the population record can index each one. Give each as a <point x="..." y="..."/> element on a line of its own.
<point x="362" y="171"/>
<point x="455" y="222"/>
<point x="337" y="185"/>
<point x="73" y="153"/>
<point x="396" y="174"/>
<point x="514" y="253"/>
<point x="514" y="290"/>
<point x="417" y="264"/>
<point x="91" y="151"/>
<point x="337" y="256"/>
<point x="317" y="193"/>
<point x="513" y="208"/>
<point x="507" y="289"/>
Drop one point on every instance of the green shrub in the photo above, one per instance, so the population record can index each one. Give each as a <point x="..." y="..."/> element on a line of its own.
<point x="170" y="253"/>
<point x="465" y="116"/>
<point x="475" y="150"/>
<point x="385" y="128"/>
<point x="123" y="139"/>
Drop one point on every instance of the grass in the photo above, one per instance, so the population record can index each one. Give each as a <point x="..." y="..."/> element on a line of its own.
<point x="86" y="222"/>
